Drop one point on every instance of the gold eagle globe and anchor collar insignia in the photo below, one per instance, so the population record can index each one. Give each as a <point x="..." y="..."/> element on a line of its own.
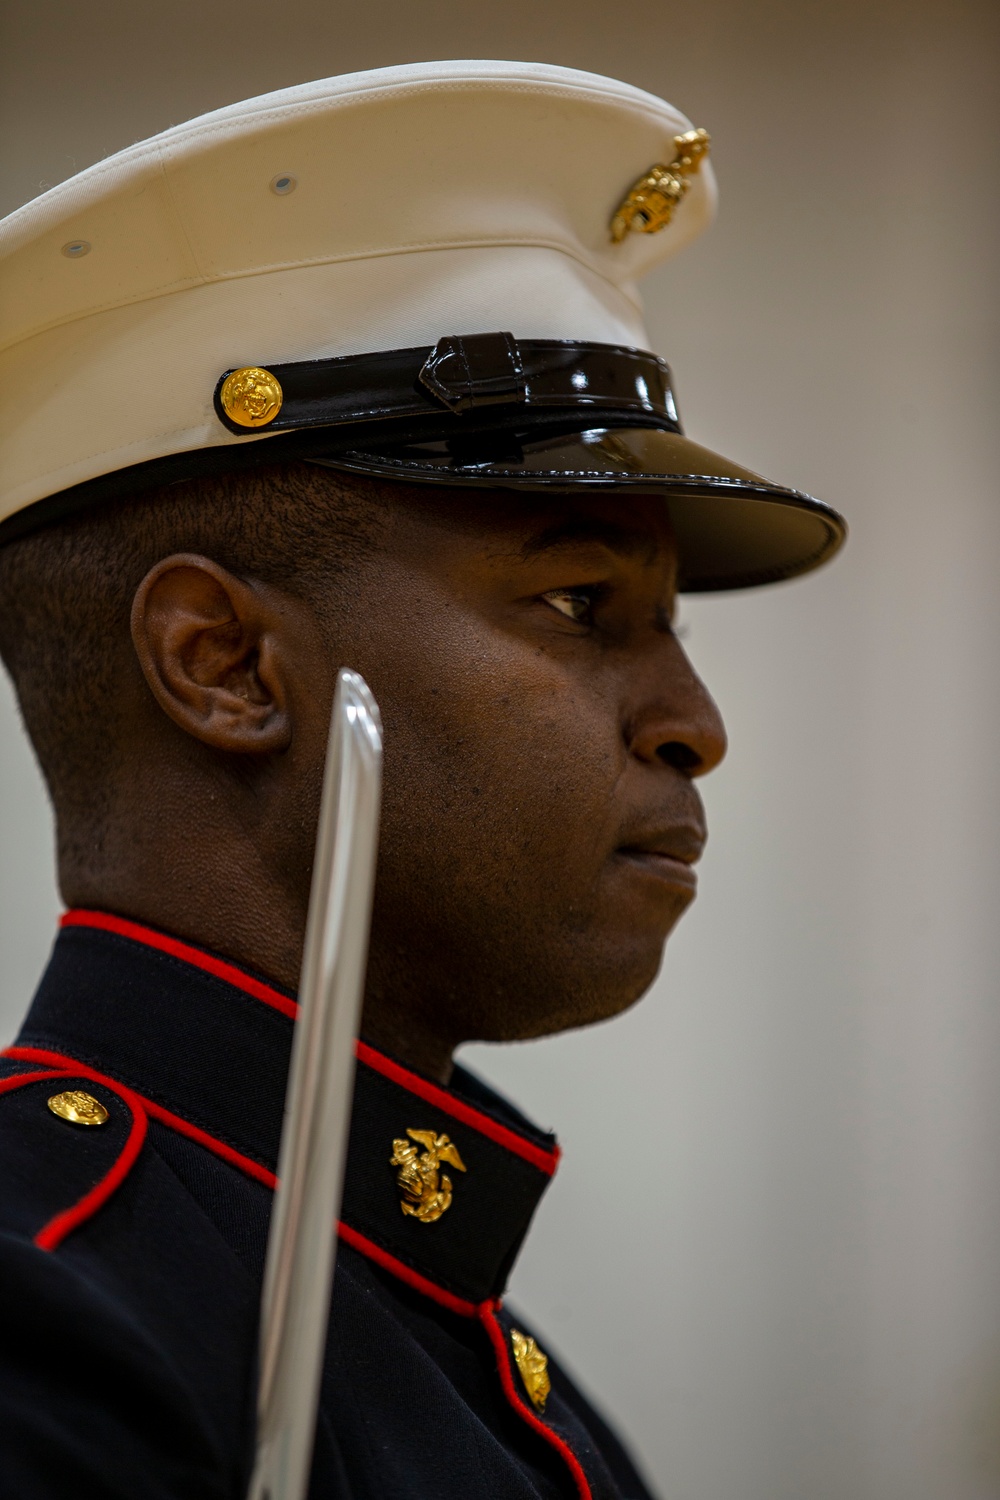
<point x="650" y="203"/>
<point x="424" y="1190"/>
<point x="533" y="1367"/>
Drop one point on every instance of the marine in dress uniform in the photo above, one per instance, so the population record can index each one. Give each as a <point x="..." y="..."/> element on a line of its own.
<point x="424" y="275"/>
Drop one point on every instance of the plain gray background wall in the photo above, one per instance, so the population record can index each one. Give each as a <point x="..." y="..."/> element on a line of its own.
<point x="773" y="1250"/>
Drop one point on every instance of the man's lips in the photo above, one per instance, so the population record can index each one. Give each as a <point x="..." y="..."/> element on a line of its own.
<point x="668" y="856"/>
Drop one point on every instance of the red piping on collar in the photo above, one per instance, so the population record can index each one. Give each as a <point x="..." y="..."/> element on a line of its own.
<point x="546" y="1160"/>
<point x="488" y="1318"/>
<point x="538" y="1156"/>
<point x="196" y="957"/>
<point x="52" y="1234"/>
<point x="405" y="1273"/>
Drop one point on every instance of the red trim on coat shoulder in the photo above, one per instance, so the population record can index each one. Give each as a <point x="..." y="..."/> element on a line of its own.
<point x="218" y="967"/>
<point x="488" y="1318"/>
<point x="18" y="1080"/>
<point x="63" y="1224"/>
<point x="545" y="1160"/>
<point x="212" y="1143"/>
<point x="52" y="1234"/>
<point x="405" y="1273"/>
<point x="164" y="1116"/>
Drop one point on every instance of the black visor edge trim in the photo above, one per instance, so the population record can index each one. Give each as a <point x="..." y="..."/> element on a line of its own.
<point x="826" y="528"/>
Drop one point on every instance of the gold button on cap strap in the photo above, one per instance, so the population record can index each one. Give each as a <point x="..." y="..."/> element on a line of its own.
<point x="251" y="397"/>
<point x="78" y="1108"/>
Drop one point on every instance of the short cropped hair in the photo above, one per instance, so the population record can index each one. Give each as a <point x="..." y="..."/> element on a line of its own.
<point x="66" y="595"/>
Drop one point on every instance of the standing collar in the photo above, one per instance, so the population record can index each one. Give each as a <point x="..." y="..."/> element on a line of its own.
<point x="441" y="1183"/>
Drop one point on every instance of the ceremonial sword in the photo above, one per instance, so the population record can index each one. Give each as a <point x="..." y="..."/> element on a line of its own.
<point x="301" y="1246"/>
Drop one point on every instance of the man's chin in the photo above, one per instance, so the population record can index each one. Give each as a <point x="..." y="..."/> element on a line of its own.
<point x="599" y="994"/>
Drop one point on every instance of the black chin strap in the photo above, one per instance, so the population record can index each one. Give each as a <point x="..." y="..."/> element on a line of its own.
<point x="492" y="378"/>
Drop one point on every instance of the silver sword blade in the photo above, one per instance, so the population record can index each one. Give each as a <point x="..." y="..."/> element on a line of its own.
<point x="301" y="1246"/>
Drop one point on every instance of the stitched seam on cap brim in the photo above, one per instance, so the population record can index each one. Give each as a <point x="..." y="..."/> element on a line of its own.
<point x="613" y="476"/>
<point x="157" y="147"/>
<point x="415" y="247"/>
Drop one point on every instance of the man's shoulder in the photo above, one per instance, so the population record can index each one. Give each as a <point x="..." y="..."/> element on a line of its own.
<point x="111" y="1371"/>
<point x="65" y="1144"/>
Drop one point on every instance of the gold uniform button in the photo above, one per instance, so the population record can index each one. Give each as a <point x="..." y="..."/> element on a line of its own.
<point x="251" y="397"/>
<point x="78" y="1108"/>
<point x="533" y="1367"/>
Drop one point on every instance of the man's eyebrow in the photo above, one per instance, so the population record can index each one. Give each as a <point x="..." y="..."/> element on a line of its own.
<point x="628" y="541"/>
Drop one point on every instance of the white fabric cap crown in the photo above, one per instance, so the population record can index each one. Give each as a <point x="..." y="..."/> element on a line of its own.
<point x="425" y="273"/>
<point x="366" y="212"/>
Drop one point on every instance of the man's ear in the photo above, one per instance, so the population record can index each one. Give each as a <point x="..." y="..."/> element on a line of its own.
<point x="210" y="648"/>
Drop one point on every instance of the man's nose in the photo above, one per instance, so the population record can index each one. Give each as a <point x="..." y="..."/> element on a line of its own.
<point x="674" y="719"/>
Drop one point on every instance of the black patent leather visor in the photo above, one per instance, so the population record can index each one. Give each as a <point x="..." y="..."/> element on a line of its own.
<point x="733" y="528"/>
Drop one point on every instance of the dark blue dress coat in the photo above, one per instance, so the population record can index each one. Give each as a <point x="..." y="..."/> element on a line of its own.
<point x="131" y="1255"/>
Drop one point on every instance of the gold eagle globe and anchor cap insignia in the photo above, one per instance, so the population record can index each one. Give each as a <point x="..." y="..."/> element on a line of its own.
<point x="251" y="397"/>
<point x="533" y="1367"/>
<point x="650" y="203"/>
<point x="424" y="1190"/>
<point x="78" y="1108"/>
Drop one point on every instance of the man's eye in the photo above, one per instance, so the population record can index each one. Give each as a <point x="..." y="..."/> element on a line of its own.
<point x="575" y="604"/>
